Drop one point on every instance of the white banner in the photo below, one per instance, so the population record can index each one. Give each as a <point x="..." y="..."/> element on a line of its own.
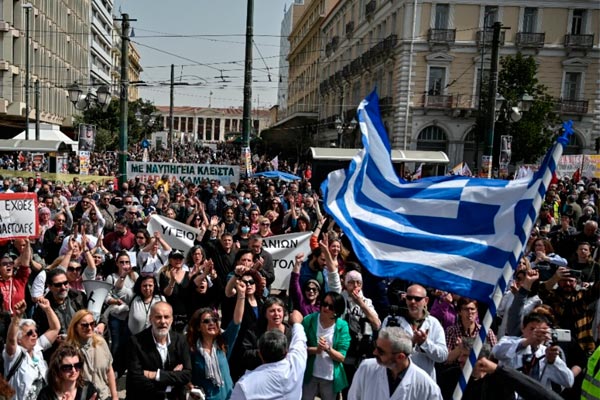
<point x="18" y="215"/>
<point x="284" y="248"/>
<point x="178" y="235"/>
<point x="192" y="172"/>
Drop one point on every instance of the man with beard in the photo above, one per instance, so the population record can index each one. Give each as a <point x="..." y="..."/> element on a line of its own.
<point x="392" y="374"/>
<point x="159" y="360"/>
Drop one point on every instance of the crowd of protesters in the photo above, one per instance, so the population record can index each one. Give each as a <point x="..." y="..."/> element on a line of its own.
<point x="206" y="318"/>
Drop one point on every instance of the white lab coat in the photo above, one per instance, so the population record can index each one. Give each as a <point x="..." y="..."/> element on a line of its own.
<point x="371" y="383"/>
<point x="433" y="350"/>
<point x="280" y="380"/>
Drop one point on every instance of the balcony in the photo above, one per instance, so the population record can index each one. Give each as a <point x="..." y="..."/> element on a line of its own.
<point x="437" y="101"/>
<point x="566" y="106"/>
<point x="356" y="66"/>
<point x="579" y="41"/>
<point x="349" y="29"/>
<point x="441" y="36"/>
<point x="328" y="50"/>
<point x="346" y="72"/>
<point x="390" y="42"/>
<point x="489" y="34"/>
<point x="335" y="41"/>
<point x="370" y="8"/>
<point x="530" y="40"/>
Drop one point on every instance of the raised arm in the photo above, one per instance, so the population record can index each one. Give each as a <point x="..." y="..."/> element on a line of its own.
<point x="13" y="328"/>
<point x="53" y="322"/>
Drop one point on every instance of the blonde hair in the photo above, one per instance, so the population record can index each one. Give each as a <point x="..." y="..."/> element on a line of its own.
<point x="73" y="336"/>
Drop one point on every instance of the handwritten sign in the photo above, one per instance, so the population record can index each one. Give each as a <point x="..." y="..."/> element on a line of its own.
<point x="18" y="215"/>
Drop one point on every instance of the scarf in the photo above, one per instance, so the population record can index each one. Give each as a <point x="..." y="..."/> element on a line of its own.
<point x="211" y="370"/>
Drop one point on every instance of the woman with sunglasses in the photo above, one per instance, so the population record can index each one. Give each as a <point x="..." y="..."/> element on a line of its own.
<point x="96" y="359"/>
<point x="328" y="340"/>
<point x="154" y="255"/>
<point x="65" y="380"/>
<point x="95" y="218"/>
<point x="254" y="221"/>
<point x="264" y="227"/>
<point x="24" y="362"/>
<point x="146" y="294"/>
<point x="142" y="239"/>
<point x="211" y="348"/>
<point x="76" y="274"/>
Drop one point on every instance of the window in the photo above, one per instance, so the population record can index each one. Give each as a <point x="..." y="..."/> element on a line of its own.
<point x="572" y="85"/>
<point x="437" y="81"/>
<point x="578" y="22"/>
<point x="442" y="12"/>
<point x="432" y="138"/>
<point x="530" y="20"/>
<point x="491" y="16"/>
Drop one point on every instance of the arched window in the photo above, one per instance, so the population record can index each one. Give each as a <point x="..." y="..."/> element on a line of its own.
<point x="432" y="138"/>
<point x="574" y="147"/>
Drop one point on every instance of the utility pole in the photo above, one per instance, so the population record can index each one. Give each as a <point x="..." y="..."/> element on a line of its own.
<point x="493" y="88"/>
<point x="246" y="119"/>
<point x="171" y="101"/>
<point x="37" y="108"/>
<point x="27" y="8"/>
<point x="124" y="97"/>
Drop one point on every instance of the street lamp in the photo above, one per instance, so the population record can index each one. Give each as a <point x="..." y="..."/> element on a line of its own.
<point x="146" y="120"/>
<point x="101" y="98"/>
<point x="343" y="128"/>
<point x="27" y="7"/>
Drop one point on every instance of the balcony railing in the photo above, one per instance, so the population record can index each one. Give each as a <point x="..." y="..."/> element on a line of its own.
<point x="443" y="36"/>
<point x="437" y="101"/>
<point x="567" y="106"/>
<point x="370" y="8"/>
<point x="579" y="41"/>
<point x="530" y="39"/>
<point x="489" y="34"/>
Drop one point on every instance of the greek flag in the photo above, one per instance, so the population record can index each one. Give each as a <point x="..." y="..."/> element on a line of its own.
<point x="453" y="233"/>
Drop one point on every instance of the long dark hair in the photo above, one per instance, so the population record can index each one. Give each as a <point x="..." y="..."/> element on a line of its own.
<point x="137" y="286"/>
<point x="54" y="374"/>
<point x="193" y="331"/>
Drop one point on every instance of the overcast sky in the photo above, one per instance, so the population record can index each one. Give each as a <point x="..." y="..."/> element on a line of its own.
<point x="205" y="39"/>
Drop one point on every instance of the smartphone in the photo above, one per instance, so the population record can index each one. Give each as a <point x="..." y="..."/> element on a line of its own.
<point x="561" y="336"/>
<point x="575" y="273"/>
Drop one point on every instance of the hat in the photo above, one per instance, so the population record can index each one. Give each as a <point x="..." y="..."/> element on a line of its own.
<point x="176" y="254"/>
<point x="353" y="276"/>
<point x="314" y="282"/>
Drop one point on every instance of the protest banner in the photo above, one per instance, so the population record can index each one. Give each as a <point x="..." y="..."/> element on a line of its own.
<point x="177" y="234"/>
<point x="195" y="173"/>
<point x="284" y="248"/>
<point x="18" y="215"/>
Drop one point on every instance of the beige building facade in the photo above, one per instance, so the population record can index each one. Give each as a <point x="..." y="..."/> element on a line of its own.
<point x="425" y="58"/>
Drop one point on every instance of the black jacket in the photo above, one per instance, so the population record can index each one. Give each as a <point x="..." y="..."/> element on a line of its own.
<point x="144" y="356"/>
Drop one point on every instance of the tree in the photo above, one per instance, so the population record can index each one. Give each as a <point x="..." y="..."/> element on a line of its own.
<point x="107" y="123"/>
<point x="533" y="134"/>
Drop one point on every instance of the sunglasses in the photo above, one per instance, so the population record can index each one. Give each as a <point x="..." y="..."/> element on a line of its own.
<point x="312" y="289"/>
<point x="207" y="321"/>
<point x="327" y="305"/>
<point x="265" y="224"/>
<point x="86" y="325"/>
<point x="60" y="284"/>
<point x="70" y="367"/>
<point x="31" y="332"/>
<point x="124" y="262"/>
<point x="85" y="202"/>
<point x="60" y="220"/>
<point x="414" y="298"/>
<point x="140" y="237"/>
<point x="248" y="282"/>
<point x="7" y="263"/>
<point x="73" y="269"/>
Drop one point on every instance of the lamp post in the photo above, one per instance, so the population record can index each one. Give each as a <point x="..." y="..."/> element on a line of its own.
<point x="145" y="120"/>
<point x="99" y="98"/>
<point x="343" y="128"/>
<point x="27" y="7"/>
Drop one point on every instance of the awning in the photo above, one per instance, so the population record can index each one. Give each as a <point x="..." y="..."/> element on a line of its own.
<point x="398" y="156"/>
<point x="44" y="146"/>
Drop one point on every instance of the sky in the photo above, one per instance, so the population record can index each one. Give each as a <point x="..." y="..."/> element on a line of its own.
<point x="205" y="39"/>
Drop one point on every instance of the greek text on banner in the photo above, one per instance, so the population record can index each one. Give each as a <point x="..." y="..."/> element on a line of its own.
<point x="284" y="248"/>
<point x="178" y="235"/>
<point x="18" y="215"/>
<point x="192" y="172"/>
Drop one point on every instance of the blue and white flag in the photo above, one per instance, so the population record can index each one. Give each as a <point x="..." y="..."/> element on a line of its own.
<point x="453" y="233"/>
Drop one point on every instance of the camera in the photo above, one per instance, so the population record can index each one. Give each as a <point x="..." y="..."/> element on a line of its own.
<point x="392" y="318"/>
<point x="561" y="335"/>
<point x="575" y="273"/>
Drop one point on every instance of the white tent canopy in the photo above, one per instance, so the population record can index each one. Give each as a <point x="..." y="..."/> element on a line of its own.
<point x="49" y="132"/>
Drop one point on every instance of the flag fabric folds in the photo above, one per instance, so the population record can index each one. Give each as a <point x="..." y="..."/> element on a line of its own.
<point x="453" y="233"/>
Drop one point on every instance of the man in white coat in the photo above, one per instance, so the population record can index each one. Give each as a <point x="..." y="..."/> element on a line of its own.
<point x="392" y="375"/>
<point x="281" y="374"/>
<point x="426" y="331"/>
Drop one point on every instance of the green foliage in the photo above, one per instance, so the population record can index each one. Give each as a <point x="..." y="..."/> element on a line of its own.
<point x="108" y="123"/>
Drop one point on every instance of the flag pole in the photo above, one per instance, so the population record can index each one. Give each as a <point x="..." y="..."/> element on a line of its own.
<point x="507" y="272"/>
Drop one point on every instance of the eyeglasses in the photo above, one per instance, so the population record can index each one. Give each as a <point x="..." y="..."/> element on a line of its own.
<point x="327" y="305"/>
<point x="140" y="237"/>
<point x="85" y="202"/>
<point x="70" y="367"/>
<point x="312" y="289"/>
<point x="31" y="332"/>
<point x="248" y="282"/>
<point x="7" y="263"/>
<point x="60" y="284"/>
<point x="124" y="262"/>
<point x="86" y="325"/>
<point x="414" y="298"/>
<point x="73" y="269"/>
<point x="207" y="321"/>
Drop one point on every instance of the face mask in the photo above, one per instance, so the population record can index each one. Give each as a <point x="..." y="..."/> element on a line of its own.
<point x="229" y="203"/>
<point x="246" y="201"/>
<point x="245" y="229"/>
<point x="142" y="192"/>
<point x="240" y="198"/>
<point x="585" y="201"/>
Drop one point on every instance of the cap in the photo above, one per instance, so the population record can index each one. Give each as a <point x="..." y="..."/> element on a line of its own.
<point x="176" y="254"/>
<point x="353" y="276"/>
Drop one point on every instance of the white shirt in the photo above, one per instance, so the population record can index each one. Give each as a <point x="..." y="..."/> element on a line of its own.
<point x="371" y="383"/>
<point x="29" y="370"/>
<point x="280" y="380"/>
<point x="323" y="366"/>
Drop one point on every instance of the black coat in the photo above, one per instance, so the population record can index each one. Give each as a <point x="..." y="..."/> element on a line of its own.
<point x="144" y="356"/>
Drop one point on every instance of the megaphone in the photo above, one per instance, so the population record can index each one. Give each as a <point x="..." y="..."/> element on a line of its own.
<point x="96" y="292"/>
